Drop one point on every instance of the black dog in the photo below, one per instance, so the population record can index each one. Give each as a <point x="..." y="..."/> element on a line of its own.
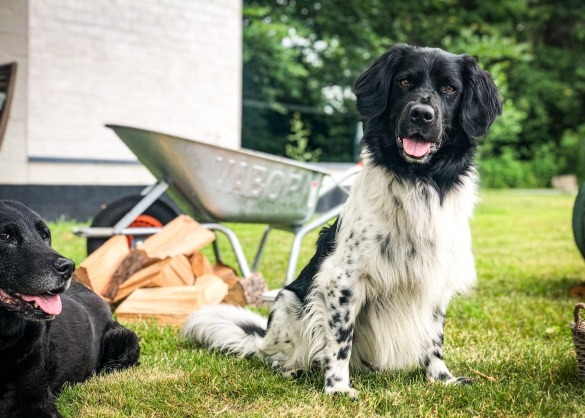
<point x="52" y="330"/>
<point x="375" y="294"/>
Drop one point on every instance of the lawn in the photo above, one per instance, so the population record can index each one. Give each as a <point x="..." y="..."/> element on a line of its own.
<point x="510" y="334"/>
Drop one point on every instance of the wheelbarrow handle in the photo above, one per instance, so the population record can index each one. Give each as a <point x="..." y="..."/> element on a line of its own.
<point x="337" y="180"/>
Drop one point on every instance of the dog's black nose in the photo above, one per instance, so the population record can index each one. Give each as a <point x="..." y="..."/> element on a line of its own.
<point x="64" y="266"/>
<point x="421" y="114"/>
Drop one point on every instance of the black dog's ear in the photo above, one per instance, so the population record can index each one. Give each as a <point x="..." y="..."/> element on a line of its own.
<point x="481" y="103"/>
<point x="373" y="86"/>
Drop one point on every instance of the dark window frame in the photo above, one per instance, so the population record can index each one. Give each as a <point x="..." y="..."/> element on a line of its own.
<point x="7" y="82"/>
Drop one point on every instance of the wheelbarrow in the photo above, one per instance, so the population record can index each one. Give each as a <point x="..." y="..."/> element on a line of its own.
<point x="214" y="185"/>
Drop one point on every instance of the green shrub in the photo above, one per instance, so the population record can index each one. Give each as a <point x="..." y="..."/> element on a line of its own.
<point x="508" y="171"/>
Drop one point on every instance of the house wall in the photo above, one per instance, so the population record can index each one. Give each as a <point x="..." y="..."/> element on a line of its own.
<point x="169" y="66"/>
<point x="14" y="47"/>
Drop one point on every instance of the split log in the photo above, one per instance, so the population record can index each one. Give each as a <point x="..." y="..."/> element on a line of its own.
<point x="235" y="294"/>
<point x="200" y="265"/>
<point x="171" y="305"/>
<point x="177" y="272"/>
<point x="224" y="271"/>
<point x="166" y="305"/>
<point x="142" y="278"/>
<point x="172" y="271"/>
<point x="99" y="267"/>
<point x="212" y="289"/>
<point x="181" y="236"/>
<point x="134" y="262"/>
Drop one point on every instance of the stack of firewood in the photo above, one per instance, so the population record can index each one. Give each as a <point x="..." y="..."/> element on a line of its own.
<point x="165" y="278"/>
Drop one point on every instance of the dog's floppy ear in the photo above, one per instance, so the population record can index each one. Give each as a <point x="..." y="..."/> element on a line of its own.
<point x="373" y="86"/>
<point x="481" y="103"/>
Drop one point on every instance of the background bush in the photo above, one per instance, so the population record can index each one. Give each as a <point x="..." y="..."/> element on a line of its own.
<point x="304" y="55"/>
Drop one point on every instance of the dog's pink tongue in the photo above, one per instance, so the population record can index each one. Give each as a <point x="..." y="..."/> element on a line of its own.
<point x="415" y="147"/>
<point x="50" y="304"/>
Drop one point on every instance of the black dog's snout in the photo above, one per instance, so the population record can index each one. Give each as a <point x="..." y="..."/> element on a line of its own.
<point x="422" y="114"/>
<point x="60" y="289"/>
<point x="64" y="266"/>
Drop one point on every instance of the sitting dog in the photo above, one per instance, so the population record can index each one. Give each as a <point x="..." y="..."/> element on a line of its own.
<point x="52" y="330"/>
<point x="375" y="294"/>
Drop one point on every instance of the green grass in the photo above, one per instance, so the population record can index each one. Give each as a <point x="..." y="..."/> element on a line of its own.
<point x="511" y="334"/>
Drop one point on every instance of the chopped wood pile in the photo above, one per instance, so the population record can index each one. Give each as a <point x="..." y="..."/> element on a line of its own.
<point x="165" y="278"/>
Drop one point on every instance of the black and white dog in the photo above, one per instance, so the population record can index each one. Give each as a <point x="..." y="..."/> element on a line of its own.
<point x="52" y="331"/>
<point x="374" y="295"/>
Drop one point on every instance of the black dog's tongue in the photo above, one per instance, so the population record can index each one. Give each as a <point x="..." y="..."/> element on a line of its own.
<point x="50" y="304"/>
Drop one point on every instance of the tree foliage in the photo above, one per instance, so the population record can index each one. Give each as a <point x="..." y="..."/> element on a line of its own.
<point x="297" y="148"/>
<point x="303" y="56"/>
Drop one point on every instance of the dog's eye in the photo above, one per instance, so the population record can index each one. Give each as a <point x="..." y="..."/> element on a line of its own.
<point x="4" y="237"/>
<point x="404" y="83"/>
<point x="45" y="236"/>
<point x="448" y="89"/>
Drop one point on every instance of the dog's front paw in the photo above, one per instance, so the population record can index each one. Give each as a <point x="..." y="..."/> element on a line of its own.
<point x="458" y="381"/>
<point x="446" y="378"/>
<point x="290" y="373"/>
<point x="285" y="372"/>
<point x="332" y="390"/>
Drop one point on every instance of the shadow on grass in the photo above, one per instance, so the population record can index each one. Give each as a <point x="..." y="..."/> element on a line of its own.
<point x="554" y="288"/>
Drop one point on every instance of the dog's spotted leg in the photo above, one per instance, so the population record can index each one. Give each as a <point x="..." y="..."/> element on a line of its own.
<point x="432" y="360"/>
<point x="280" y="341"/>
<point x="342" y="307"/>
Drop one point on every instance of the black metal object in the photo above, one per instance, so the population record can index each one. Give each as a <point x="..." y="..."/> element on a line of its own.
<point x="7" y="82"/>
<point x="579" y="220"/>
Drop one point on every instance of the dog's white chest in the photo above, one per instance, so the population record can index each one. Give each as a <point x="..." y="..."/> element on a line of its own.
<point x="404" y="236"/>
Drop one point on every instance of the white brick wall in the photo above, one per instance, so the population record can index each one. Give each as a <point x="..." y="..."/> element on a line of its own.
<point x="167" y="65"/>
<point x="14" y="47"/>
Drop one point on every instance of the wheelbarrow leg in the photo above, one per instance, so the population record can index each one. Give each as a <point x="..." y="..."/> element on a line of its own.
<point x="261" y="248"/>
<point x="300" y="234"/>
<point x="217" y="252"/>
<point x="151" y="194"/>
<point x="236" y="246"/>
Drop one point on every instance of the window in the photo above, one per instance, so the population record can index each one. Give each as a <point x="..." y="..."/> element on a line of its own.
<point x="7" y="81"/>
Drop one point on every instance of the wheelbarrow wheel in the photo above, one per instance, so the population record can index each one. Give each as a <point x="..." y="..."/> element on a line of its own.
<point x="579" y="220"/>
<point x="157" y="215"/>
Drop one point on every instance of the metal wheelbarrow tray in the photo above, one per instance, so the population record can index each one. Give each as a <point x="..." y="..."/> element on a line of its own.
<point x="214" y="184"/>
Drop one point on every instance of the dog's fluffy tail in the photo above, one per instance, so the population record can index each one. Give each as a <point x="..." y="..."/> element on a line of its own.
<point x="227" y="328"/>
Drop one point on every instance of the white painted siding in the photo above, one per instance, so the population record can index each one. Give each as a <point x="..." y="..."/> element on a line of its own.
<point x="171" y="66"/>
